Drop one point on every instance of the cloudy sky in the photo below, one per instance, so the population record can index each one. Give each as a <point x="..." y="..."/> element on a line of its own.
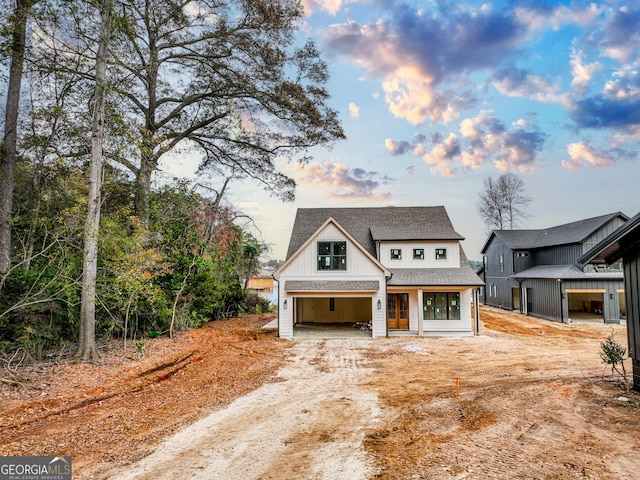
<point x="436" y="96"/>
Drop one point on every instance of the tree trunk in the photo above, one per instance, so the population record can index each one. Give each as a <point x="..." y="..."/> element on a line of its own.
<point x="143" y="188"/>
<point x="87" y="341"/>
<point x="8" y="152"/>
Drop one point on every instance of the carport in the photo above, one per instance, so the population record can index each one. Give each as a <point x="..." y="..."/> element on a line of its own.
<point x="331" y="309"/>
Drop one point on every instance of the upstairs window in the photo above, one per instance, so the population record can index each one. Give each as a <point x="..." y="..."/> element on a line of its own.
<point x="501" y="262"/>
<point x="332" y="255"/>
<point x="418" y="253"/>
<point x="441" y="253"/>
<point x="396" y="254"/>
<point x="522" y="254"/>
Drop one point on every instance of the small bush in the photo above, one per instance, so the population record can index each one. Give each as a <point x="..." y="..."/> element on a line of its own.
<point x="614" y="354"/>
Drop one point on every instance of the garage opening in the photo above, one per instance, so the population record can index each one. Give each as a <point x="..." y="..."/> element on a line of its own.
<point x="585" y="305"/>
<point x="333" y="316"/>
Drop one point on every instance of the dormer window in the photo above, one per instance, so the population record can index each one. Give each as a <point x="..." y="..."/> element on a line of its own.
<point x="441" y="253"/>
<point x="396" y="254"/>
<point x="332" y="255"/>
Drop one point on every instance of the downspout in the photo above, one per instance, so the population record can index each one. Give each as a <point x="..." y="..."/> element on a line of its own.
<point x="476" y="295"/>
<point x="278" y="302"/>
<point x="384" y="310"/>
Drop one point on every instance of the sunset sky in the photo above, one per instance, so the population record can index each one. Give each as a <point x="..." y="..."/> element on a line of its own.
<point x="437" y="96"/>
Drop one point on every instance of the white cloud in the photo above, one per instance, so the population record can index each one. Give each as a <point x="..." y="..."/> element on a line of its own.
<point x="582" y="73"/>
<point x="332" y="7"/>
<point x="354" y="110"/>
<point x="342" y="182"/>
<point x="584" y="155"/>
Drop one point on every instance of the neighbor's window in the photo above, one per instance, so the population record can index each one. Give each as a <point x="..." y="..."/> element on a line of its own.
<point x="441" y="305"/>
<point x="418" y="253"/>
<point x="441" y="253"/>
<point x="522" y="254"/>
<point x="396" y="254"/>
<point x="332" y="255"/>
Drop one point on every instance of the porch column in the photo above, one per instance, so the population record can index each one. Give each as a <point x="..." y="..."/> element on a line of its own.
<point x="476" y="310"/>
<point x="420" y="314"/>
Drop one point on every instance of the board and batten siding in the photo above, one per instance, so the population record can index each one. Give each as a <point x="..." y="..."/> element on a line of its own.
<point x="543" y="298"/>
<point x="498" y="285"/>
<point x="610" y="299"/>
<point x="559" y="255"/>
<point x="304" y="266"/>
<point x="306" y="262"/>
<point x="632" y="296"/>
<point x="548" y="298"/>
<point x="429" y="261"/>
<point x="600" y="234"/>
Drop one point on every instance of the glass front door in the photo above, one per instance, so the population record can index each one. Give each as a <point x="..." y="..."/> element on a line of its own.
<point x="398" y="311"/>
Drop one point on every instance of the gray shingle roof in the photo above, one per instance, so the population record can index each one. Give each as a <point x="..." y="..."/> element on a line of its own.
<point x="460" y="277"/>
<point x="366" y="225"/>
<point x="564" y="272"/>
<point x="574" y="232"/>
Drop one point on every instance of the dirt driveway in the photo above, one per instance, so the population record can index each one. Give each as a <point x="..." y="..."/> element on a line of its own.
<point x="311" y="423"/>
<point x="524" y="400"/>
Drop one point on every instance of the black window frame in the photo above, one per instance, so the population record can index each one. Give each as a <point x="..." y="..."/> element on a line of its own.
<point x="441" y="253"/>
<point x="418" y="256"/>
<point x="332" y="255"/>
<point x="395" y="256"/>
<point x="452" y="304"/>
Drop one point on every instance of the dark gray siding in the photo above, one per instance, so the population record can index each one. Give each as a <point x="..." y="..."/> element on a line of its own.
<point x="543" y="298"/>
<point x="611" y="303"/>
<point x="521" y="263"/>
<point x="632" y="296"/>
<point x="601" y="233"/>
<point x="560" y="255"/>
<point x="497" y="291"/>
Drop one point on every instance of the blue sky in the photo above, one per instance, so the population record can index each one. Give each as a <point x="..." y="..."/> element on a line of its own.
<point x="437" y="96"/>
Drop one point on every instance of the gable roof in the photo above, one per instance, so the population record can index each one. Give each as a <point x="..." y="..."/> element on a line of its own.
<point x="613" y="248"/>
<point x="574" y="232"/>
<point x="371" y="224"/>
<point x="314" y="234"/>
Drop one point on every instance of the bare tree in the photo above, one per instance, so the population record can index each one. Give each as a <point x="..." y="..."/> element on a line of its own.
<point x="87" y="343"/>
<point x="223" y="79"/>
<point x="502" y="202"/>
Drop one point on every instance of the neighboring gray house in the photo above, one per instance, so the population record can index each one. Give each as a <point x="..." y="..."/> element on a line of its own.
<point x="624" y="244"/>
<point x="399" y="269"/>
<point x="537" y="272"/>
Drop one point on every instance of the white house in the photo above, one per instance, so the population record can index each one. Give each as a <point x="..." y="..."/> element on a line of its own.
<point x="400" y="269"/>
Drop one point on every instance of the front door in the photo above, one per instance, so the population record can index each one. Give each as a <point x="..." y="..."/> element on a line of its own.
<point x="398" y="311"/>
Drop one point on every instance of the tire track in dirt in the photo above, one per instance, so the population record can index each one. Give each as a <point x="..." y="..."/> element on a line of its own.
<point x="310" y="424"/>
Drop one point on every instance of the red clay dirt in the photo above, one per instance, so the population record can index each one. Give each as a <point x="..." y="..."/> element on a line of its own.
<point x="526" y="399"/>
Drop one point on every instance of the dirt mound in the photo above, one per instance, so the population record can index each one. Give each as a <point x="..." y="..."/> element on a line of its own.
<point x="115" y="411"/>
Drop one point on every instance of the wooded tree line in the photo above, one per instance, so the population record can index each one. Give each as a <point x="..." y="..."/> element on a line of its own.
<point x="98" y="94"/>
